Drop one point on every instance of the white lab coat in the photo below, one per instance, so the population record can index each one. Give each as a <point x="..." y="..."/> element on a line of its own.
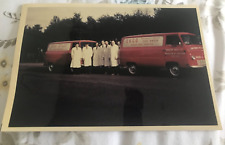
<point x="87" y="54"/>
<point x="107" y="52"/>
<point x="96" y="56"/>
<point x="114" y="55"/>
<point x="101" y="55"/>
<point x="76" y="55"/>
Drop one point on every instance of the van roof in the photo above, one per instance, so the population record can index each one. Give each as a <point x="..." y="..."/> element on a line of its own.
<point x="156" y="34"/>
<point x="74" y="41"/>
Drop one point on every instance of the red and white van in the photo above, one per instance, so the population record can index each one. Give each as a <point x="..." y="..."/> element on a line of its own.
<point x="170" y="50"/>
<point x="58" y="53"/>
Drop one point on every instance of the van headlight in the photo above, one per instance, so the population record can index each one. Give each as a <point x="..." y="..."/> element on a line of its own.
<point x="193" y="58"/>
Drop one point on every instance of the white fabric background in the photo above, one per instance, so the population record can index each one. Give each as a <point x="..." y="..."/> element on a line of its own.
<point x="212" y="14"/>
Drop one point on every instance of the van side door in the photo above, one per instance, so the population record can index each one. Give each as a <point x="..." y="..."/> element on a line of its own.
<point x="174" y="51"/>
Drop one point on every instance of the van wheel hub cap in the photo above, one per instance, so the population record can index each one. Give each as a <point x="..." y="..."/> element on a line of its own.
<point x="132" y="69"/>
<point x="175" y="71"/>
<point x="50" y="67"/>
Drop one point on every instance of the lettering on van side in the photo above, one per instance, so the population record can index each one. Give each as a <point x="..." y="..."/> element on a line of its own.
<point x="174" y="49"/>
<point x="143" y="41"/>
<point x="174" y="53"/>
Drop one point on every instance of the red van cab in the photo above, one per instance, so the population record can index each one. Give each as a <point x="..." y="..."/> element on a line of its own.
<point x="58" y="53"/>
<point x="170" y="50"/>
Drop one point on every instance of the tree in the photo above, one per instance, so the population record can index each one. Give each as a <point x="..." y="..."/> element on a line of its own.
<point x="77" y="18"/>
<point x="33" y="43"/>
<point x="55" y="20"/>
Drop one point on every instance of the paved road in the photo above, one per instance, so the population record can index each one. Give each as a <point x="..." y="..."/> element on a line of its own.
<point x="55" y="99"/>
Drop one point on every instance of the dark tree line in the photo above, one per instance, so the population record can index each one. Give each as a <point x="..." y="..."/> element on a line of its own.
<point x="35" y="40"/>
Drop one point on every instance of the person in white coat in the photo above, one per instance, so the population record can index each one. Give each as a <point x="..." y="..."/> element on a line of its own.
<point x="107" y="56"/>
<point x="87" y="55"/>
<point x="101" y="57"/>
<point x="96" y="61"/>
<point x="101" y="54"/>
<point x="76" y="56"/>
<point x="114" y="55"/>
<point x="118" y="43"/>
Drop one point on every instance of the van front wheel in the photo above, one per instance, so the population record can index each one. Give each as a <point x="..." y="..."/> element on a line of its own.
<point x="174" y="70"/>
<point x="132" y="68"/>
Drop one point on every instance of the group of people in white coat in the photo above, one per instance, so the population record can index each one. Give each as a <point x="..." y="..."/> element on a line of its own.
<point x="102" y="58"/>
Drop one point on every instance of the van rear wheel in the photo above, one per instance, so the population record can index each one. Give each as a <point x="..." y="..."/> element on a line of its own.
<point x="132" y="68"/>
<point x="174" y="70"/>
<point x="51" y="67"/>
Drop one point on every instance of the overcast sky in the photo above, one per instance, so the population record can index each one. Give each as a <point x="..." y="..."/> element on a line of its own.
<point x="43" y="15"/>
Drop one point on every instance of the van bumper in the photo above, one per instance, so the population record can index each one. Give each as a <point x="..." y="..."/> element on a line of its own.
<point x="123" y="67"/>
<point x="197" y="66"/>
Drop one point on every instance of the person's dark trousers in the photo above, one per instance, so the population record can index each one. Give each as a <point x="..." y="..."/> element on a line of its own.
<point x="77" y="70"/>
<point x="95" y="69"/>
<point x="113" y="70"/>
<point x="98" y="69"/>
<point x="117" y="70"/>
<point x="88" y="69"/>
<point x="82" y="70"/>
<point x="101" y="69"/>
<point x="85" y="69"/>
<point x="107" y="70"/>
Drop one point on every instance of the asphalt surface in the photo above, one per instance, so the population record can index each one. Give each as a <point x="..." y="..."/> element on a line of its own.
<point x="149" y="99"/>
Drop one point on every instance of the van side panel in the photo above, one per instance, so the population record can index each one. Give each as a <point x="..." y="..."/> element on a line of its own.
<point x="143" y="51"/>
<point x="152" y="56"/>
<point x="129" y="55"/>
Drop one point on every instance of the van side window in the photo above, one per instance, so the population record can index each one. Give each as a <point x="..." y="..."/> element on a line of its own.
<point x="59" y="46"/>
<point x="173" y="40"/>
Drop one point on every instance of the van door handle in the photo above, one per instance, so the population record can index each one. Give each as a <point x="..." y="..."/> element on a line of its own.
<point x="164" y="50"/>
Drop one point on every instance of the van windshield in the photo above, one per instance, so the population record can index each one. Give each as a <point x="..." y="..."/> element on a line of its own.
<point x="191" y="39"/>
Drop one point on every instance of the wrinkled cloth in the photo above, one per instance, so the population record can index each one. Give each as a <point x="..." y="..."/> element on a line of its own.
<point x="212" y="14"/>
<point x="87" y="54"/>
<point x="101" y="56"/>
<point x="76" y="55"/>
<point x="96" y="56"/>
<point x="114" y="55"/>
<point x="107" y="55"/>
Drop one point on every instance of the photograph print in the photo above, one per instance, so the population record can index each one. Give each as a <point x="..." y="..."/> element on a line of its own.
<point x="99" y="67"/>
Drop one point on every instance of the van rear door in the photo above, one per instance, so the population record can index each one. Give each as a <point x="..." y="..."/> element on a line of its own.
<point x="58" y="53"/>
